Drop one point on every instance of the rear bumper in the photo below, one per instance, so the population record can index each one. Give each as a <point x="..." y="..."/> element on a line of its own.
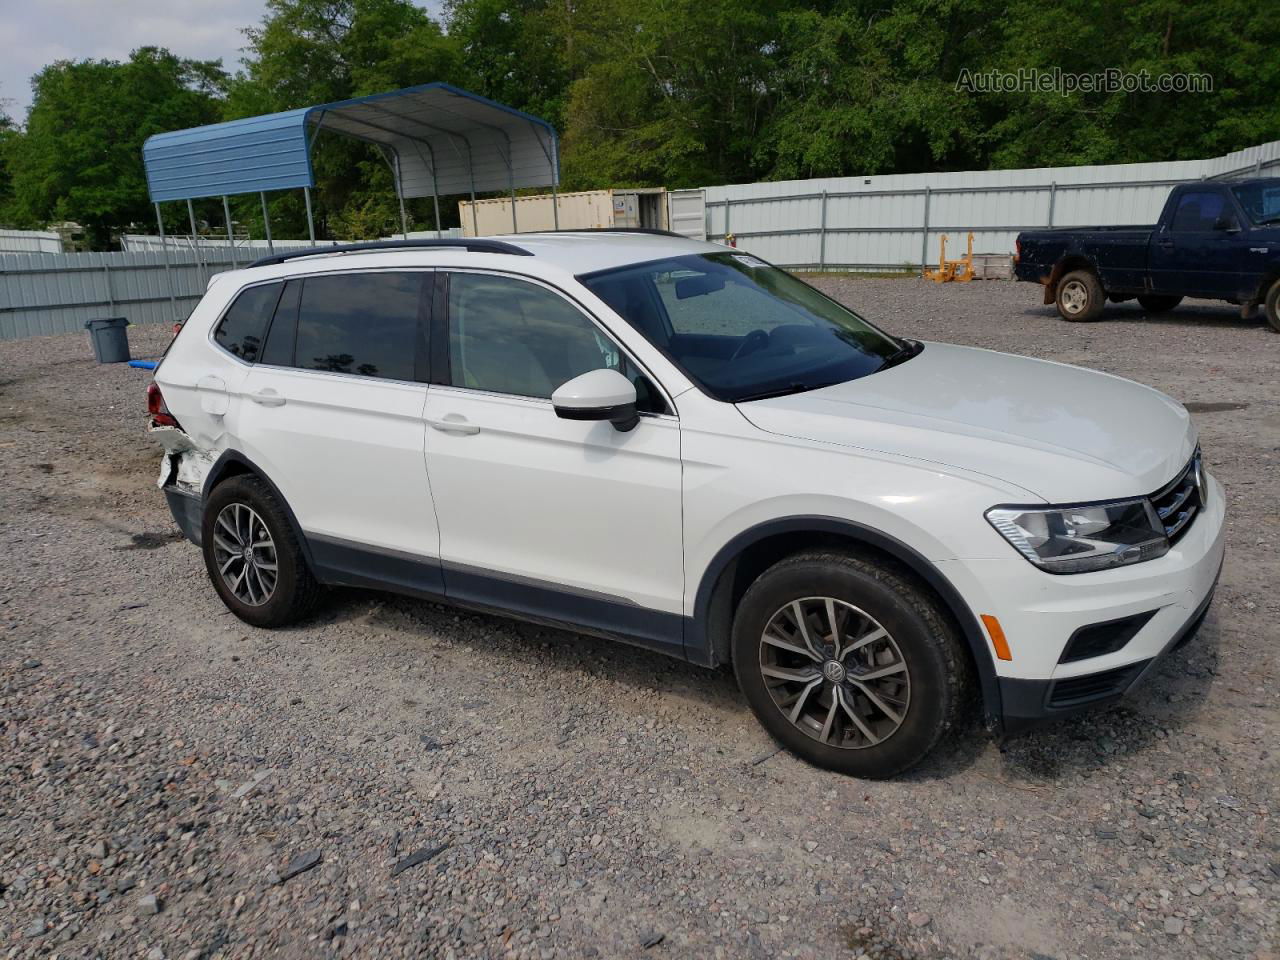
<point x="187" y="510"/>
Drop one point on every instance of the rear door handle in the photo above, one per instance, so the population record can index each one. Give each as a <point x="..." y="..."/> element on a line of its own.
<point x="454" y="423"/>
<point x="267" y="398"/>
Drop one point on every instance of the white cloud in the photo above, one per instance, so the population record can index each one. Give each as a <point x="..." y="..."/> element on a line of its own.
<point x="35" y="33"/>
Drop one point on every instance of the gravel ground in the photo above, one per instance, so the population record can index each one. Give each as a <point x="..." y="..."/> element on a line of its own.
<point x="397" y="778"/>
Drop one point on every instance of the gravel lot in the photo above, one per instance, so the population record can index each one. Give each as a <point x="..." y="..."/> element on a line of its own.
<point x="178" y="785"/>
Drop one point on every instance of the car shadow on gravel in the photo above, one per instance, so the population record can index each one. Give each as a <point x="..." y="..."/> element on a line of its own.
<point x="1171" y="699"/>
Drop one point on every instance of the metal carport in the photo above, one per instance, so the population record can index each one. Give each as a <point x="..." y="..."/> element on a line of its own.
<point x="436" y="138"/>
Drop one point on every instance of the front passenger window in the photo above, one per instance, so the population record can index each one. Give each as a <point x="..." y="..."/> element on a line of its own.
<point x="514" y="337"/>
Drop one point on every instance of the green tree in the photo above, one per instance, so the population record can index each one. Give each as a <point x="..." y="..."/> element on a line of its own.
<point x="862" y="88"/>
<point x="306" y="52"/>
<point x="80" y="157"/>
<point x="670" y="92"/>
<point x="518" y="52"/>
<point x="1228" y="40"/>
<point x="9" y="135"/>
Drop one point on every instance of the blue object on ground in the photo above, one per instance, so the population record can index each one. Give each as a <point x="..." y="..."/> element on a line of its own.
<point x="144" y="364"/>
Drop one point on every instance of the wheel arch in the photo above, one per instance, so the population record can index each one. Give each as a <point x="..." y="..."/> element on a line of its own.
<point x="1065" y="265"/>
<point x="740" y="561"/>
<point x="233" y="463"/>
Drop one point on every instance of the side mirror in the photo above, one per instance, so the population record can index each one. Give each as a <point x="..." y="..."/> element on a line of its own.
<point x="598" y="395"/>
<point x="1226" y="223"/>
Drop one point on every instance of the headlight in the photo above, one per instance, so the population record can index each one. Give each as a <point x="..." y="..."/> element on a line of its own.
<point x="1080" y="539"/>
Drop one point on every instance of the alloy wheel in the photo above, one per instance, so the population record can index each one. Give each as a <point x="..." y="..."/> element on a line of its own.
<point x="835" y="673"/>
<point x="1074" y="297"/>
<point x="245" y="554"/>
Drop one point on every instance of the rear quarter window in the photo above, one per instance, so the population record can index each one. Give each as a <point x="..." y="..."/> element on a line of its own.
<point x="244" y="325"/>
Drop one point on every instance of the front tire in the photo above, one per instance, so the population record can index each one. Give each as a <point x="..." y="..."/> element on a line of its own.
<point x="849" y="664"/>
<point x="1273" y="306"/>
<point x="1080" y="297"/>
<point x="253" y="557"/>
<point x="1155" y="303"/>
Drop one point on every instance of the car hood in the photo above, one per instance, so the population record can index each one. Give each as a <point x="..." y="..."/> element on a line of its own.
<point x="1062" y="433"/>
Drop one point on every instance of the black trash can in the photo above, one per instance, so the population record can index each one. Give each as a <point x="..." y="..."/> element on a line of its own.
<point x="110" y="339"/>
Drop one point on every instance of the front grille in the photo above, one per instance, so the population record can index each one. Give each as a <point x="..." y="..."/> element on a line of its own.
<point x="1180" y="501"/>
<point x="1094" y="686"/>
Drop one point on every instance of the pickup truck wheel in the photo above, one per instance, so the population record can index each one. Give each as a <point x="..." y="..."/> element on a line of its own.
<point x="1154" y="303"/>
<point x="847" y="664"/>
<point x="253" y="557"/>
<point x="1273" y="306"/>
<point x="1080" y="297"/>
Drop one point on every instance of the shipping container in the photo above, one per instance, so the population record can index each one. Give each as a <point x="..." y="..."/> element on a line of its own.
<point x="591" y="209"/>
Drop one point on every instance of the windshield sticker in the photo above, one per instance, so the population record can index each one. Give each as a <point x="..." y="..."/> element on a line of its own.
<point x="749" y="261"/>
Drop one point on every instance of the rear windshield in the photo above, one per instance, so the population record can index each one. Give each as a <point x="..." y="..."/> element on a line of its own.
<point x="740" y="328"/>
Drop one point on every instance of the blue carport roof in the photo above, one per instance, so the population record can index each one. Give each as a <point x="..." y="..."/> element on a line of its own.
<point x="442" y="140"/>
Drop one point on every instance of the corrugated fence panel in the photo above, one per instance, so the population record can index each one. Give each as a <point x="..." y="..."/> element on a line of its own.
<point x="891" y="222"/>
<point x="43" y="294"/>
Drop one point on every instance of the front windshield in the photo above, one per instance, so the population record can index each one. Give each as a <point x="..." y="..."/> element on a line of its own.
<point x="740" y="328"/>
<point x="1261" y="200"/>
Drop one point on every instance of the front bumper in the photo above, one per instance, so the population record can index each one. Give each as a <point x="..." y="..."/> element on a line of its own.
<point x="1041" y="612"/>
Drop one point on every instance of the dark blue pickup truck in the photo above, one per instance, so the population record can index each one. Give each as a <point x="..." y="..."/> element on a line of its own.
<point x="1217" y="241"/>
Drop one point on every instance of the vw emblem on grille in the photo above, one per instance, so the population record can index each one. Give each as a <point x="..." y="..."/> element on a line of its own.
<point x="833" y="670"/>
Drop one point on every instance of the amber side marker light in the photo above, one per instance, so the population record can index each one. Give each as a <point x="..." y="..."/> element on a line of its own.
<point x="997" y="636"/>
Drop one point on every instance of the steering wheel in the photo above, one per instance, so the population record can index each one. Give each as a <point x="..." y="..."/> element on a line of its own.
<point x="760" y="339"/>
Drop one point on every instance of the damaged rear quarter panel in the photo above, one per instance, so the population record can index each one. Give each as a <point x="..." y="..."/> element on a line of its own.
<point x="185" y="464"/>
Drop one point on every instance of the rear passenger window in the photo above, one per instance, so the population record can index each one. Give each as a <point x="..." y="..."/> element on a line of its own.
<point x="245" y="324"/>
<point x="361" y="323"/>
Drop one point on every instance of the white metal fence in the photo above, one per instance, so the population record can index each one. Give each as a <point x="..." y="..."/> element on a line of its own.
<point x="42" y="294"/>
<point x="30" y="241"/>
<point x="894" y="222"/>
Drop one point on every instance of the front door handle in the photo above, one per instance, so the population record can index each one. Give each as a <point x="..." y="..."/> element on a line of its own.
<point x="267" y="398"/>
<point x="1165" y="242"/>
<point x="454" y="423"/>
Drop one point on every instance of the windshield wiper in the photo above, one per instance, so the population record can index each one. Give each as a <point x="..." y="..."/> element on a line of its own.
<point x="1271" y="219"/>
<point x="788" y="390"/>
<point x="909" y="349"/>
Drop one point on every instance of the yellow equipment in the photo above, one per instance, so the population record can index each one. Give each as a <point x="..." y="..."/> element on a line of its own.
<point x="959" y="271"/>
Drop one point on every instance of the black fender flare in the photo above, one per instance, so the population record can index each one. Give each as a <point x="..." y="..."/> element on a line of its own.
<point x="916" y="562"/>
<point x="230" y="459"/>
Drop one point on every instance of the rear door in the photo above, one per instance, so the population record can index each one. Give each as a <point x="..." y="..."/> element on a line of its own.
<point x="333" y="414"/>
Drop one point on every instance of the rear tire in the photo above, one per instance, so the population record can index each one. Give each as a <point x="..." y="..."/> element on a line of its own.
<point x="1273" y="306"/>
<point x="874" y="707"/>
<point x="1080" y="297"/>
<point x="253" y="557"/>
<point x="1156" y="303"/>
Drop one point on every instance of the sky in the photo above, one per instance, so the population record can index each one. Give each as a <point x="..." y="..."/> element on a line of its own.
<point x="34" y="33"/>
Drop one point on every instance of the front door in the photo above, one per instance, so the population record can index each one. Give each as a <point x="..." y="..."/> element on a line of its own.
<point x="562" y="519"/>
<point x="1194" y="254"/>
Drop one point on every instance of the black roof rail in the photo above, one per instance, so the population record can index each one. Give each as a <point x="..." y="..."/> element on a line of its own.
<point x="471" y="245"/>
<point x="654" y="231"/>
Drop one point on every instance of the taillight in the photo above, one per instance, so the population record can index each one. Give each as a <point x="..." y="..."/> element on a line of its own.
<point x="177" y="328"/>
<point x="160" y="415"/>
<point x="1017" y="250"/>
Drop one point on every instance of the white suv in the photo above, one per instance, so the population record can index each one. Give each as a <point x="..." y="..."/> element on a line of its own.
<point x="680" y="446"/>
